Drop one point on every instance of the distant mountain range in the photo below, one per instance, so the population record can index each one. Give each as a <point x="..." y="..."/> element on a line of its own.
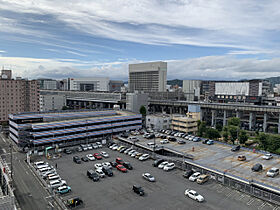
<point x="273" y="80"/>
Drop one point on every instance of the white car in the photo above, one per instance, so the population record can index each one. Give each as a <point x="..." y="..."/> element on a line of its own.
<point x="98" y="165"/>
<point x="100" y="172"/>
<point x="127" y="150"/>
<point x="194" y="177"/>
<point x="131" y="151"/>
<point x="162" y="164"/>
<point x="194" y="195"/>
<point x="144" y="157"/>
<point x="133" y="154"/>
<point x="115" y="147"/>
<point x="164" y="141"/>
<point x="104" y="154"/>
<point x="99" y="144"/>
<point x="149" y="177"/>
<point x="169" y="167"/>
<point x="106" y="165"/>
<point x="267" y="156"/>
<point x="90" y="157"/>
<point x="272" y="172"/>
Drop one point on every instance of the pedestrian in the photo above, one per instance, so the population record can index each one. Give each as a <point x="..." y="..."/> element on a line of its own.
<point x="56" y="165"/>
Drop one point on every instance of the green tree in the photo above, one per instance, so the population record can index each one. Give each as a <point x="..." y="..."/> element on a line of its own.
<point x="202" y="129"/>
<point x="219" y="127"/>
<point x="233" y="131"/>
<point x="242" y="136"/>
<point x="263" y="139"/>
<point x="225" y="135"/>
<point x="64" y="108"/>
<point x="235" y="121"/>
<point x="143" y="111"/>
<point x="212" y="133"/>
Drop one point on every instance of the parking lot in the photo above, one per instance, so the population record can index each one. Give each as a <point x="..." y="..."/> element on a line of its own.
<point x="166" y="193"/>
<point x="220" y="157"/>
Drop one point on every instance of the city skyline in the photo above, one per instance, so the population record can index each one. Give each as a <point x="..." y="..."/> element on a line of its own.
<point x="198" y="39"/>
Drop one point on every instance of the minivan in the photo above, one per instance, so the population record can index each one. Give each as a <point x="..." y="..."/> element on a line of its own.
<point x="202" y="179"/>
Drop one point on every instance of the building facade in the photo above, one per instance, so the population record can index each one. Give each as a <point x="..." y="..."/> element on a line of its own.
<point x="148" y="77"/>
<point x="115" y="86"/>
<point x="17" y="96"/>
<point x="47" y="84"/>
<point x="89" y="84"/>
<point x="69" y="128"/>
<point x="191" y="89"/>
<point x="158" y="121"/>
<point x="186" y="124"/>
<point x="52" y="102"/>
<point x="135" y="100"/>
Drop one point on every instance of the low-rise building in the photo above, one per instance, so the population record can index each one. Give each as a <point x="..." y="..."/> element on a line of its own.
<point x="186" y="124"/>
<point x="158" y="121"/>
<point x="52" y="102"/>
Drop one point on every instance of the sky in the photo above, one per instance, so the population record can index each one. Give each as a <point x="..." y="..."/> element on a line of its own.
<point x="200" y="39"/>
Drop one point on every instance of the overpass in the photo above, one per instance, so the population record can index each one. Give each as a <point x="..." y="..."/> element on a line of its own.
<point x="252" y="117"/>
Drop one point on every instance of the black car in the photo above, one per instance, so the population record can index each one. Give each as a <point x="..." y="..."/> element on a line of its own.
<point x="204" y="141"/>
<point x="73" y="202"/>
<point x="93" y="175"/>
<point x="113" y="164"/>
<point x="127" y="165"/>
<point x="181" y="141"/>
<point x="235" y="148"/>
<point x="157" y="162"/>
<point x="151" y="136"/>
<point x="172" y="139"/>
<point x="85" y="159"/>
<point x="163" y="137"/>
<point x="138" y="190"/>
<point x="107" y="171"/>
<point x="77" y="160"/>
<point x="67" y="151"/>
<point x="257" y="167"/>
<point x="188" y="173"/>
<point x="125" y="135"/>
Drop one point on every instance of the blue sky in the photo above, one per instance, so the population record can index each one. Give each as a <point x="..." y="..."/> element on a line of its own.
<point x="200" y="39"/>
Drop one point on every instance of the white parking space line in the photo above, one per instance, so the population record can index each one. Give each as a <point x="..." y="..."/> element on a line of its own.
<point x="4" y="140"/>
<point x="240" y="198"/>
<point x="276" y="208"/>
<point x="250" y="201"/>
<point x="263" y="205"/>
<point x="4" y="150"/>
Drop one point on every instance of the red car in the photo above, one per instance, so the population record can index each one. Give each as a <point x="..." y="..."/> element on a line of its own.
<point x="97" y="156"/>
<point x="121" y="168"/>
<point x="119" y="161"/>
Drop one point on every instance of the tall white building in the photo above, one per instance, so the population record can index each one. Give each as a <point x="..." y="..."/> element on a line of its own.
<point x="135" y="100"/>
<point x="148" y="77"/>
<point x="191" y="88"/>
<point x="89" y="84"/>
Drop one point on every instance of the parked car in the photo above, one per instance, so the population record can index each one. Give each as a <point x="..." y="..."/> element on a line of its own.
<point x="144" y="157"/>
<point x="113" y="164"/>
<point x="267" y="156"/>
<point x="120" y="147"/>
<point x="97" y="156"/>
<point x="93" y="175"/>
<point x="134" y="154"/>
<point x="121" y="168"/>
<point x="79" y="149"/>
<point x="169" y="167"/>
<point x="157" y="162"/>
<point x="85" y="159"/>
<point x="77" y="160"/>
<point x="257" y="167"/>
<point x="272" y="172"/>
<point x="204" y="141"/>
<point x="115" y="147"/>
<point x="188" y="173"/>
<point x="122" y="150"/>
<point x="162" y="164"/>
<point x="94" y="146"/>
<point x="202" y="178"/>
<point x="106" y="164"/>
<point x="241" y="157"/>
<point x="125" y="135"/>
<point x="90" y="157"/>
<point x="196" y="139"/>
<point x="99" y="144"/>
<point x="127" y="150"/>
<point x="180" y="141"/>
<point x="210" y="142"/>
<point x="97" y="165"/>
<point x="164" y="141"/>
<point x="131" y="151"/>
<point x="138" y="155"/>
<point x="149" y="177"/>
<point x="57" y="183"/>
<point x="194" y="195"/>
<point x="119" y="160"/>
<point x="67" y="151"/>
<point x="235" y="148"/>
<point x="172" y="139"/>
<point x="112" y="145"/>
<point x="107" y="171"/>
<point x="73" y="202"/>
<point x="138" y="190"/>
<point x="63" y="189"/>
<point x="100" y="172"/>
<point x="127" y="165"/>
<point x="104" y="154"/>
<point x="194" y="176"/>
<point x="89" y="146"/>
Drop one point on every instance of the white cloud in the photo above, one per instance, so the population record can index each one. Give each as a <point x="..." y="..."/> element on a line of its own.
<point x="246" y="24"/>
<point x="209" y="67"/>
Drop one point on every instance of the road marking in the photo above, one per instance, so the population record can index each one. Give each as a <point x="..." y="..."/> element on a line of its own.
<point x="4" y="140"/>
<point x="276" y="208"/>
<point x="261" y="206"/>
<point x="242" y="196"/>
<point x="250" y="202"/>
<point x="4" y="150"/>
<point x="229" y="194"/>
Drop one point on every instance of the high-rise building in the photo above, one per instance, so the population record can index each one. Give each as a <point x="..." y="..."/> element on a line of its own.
<point x="148" y="77"/>
<point x="17" y="95"/>
<point x="191" y="88"/>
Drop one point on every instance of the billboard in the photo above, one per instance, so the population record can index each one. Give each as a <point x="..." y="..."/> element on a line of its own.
<point x="232" y="88"/>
